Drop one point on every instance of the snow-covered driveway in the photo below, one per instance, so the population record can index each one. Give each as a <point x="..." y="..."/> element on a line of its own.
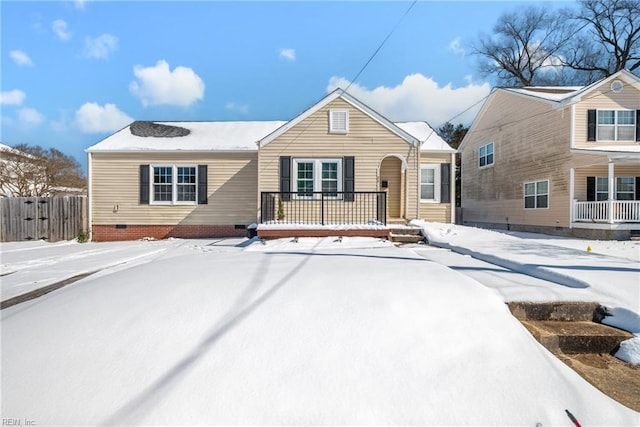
<point x="317" y="332"/>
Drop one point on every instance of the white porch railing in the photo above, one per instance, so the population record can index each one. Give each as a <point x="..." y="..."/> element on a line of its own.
<point x="609" y="211"/>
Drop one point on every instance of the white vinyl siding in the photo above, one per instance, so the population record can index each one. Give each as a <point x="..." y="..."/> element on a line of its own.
<point x="430" y="183"/>
<point x="172" y="184"/>
<point x="536" y="195"/>
<point x="616" y="125"/>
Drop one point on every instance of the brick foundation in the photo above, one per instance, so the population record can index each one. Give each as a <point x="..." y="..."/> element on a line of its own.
<point x="110" y="233"/>
<point x="278" y="233"/>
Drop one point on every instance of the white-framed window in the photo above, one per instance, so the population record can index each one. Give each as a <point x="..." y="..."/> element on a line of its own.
<point x="485" y="155"/>
<point x="536" y="195"/>
<point x="430" y="183"/>
<point x="174" y="184"/>
<point x="317" y="175"/>
<point x="616" y="125"/>
<point x="338" y="121"/>
<point x="625" y="188"/>
<point x="602" y="188"/>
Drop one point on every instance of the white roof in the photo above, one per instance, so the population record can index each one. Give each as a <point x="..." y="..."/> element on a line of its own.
<point x="430" y="140"/>
<point x="234" y="136"/>
<point x="560" y="93"/>
<point x="246" y="135"/>
<point x="203" y="136"/>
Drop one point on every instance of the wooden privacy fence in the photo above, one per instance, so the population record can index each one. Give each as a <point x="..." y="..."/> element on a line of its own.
<point x="42" y="218"/>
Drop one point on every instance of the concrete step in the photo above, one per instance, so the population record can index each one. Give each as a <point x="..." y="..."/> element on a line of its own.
<point x="405" y="233"/>
<point x="406" y="230"/>
<point x="564" y="311"/>
<point x="576" y="337"/>
<point x="406" y="238"/>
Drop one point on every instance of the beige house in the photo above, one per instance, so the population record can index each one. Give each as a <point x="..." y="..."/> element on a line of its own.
<point x="561" y="160"/>
<point x="339" y="165"/>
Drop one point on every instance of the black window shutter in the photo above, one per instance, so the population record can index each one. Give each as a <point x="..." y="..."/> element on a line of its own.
<point x="144" y="184"/>
<point x="591" y="125"/>
<point x="445" y="183"/>
<point x="202" y="185"/>
<point x="349" y="178"/>
<point x="285" y="177"/>
<point x="591" y="189"/>
<point x="637" y="125"/>
<point x="637" y="187"/>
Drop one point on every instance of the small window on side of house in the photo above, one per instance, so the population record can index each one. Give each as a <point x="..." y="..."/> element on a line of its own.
<point x="338" y="121"/>
<point x="430" y="183"/>
<point x="485" y="155"/>
<point x="536" y="195"/>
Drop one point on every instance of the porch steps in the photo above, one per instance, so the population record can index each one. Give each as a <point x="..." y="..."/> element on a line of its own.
<point x="571" y="332"/>
<point x="569" y="328"/>
<point x="404" y="234"/>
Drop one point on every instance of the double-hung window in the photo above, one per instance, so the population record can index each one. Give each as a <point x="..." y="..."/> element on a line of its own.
<point x="536" y="195"/>
<point x="173" y="184"/>
<point x="430" y="183"/>
<point x="616" y="125"/>
<point x="317" y="175"/>
<point x="625" y="188"/>
<point x="602" y="188"/>
<point x="485" y="155"/>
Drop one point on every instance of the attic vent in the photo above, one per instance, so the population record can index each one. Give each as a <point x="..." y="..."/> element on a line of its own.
<point x="156" y="130"/>
<point x="616" y="86"/>
<point x="338" y="121"/>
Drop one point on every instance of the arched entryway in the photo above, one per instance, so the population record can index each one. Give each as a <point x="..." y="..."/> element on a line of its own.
<point x="392" y="181"/>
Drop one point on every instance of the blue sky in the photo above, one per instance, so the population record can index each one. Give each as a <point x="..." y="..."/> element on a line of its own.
<point x="73" y="72"/>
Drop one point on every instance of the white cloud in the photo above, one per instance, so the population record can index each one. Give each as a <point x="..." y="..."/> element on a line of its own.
<point x="419" y="98"/>
<point x="21" y="58"/>
<point x="457" y="48"/>
<point x="80" y="3"/>
<point x="541" y="58"/>
<point x="94" y="118"/>
<point x="160" y="86"/>
<point x="288" y="54"/>
<point x="59" y="28"/>
<point x="30" y="117"/>
<point x="12" y="97"/>
<point x="237" y="108"/>
<point x="100" y="47"/>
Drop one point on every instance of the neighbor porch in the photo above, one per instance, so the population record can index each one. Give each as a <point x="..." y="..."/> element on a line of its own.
<point x="607" y="196"/>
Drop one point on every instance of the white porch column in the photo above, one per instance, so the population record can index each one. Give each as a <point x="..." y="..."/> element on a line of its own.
<point x="610" y="189"/>
<point x="572" y="192"/>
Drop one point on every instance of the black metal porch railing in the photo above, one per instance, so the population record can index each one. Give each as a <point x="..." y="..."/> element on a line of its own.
<point x="324" y="208"/>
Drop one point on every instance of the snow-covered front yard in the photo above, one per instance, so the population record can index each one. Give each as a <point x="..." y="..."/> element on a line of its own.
<point x="321" y="331"/>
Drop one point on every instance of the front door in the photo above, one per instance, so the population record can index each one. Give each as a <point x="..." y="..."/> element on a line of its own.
<point x="391" y="182"/>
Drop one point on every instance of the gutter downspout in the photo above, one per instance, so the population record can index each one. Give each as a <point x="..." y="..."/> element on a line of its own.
<point x="89" y="196"/>
<point x="452" y="187"/>
<point x="611" y="189"/>
<point x="417" y="188"/>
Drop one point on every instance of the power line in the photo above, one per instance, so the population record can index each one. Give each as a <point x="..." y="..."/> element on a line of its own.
<point x="393" y="30"/>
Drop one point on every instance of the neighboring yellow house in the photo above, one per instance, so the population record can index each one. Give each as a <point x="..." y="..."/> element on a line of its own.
<point x="339" y="165"/>
<point x="559" y="160"/>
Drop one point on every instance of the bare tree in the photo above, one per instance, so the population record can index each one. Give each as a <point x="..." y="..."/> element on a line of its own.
<point x="609" y="40"/>
<point x="34" y="171"/>
<point x="524" y="49"/>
